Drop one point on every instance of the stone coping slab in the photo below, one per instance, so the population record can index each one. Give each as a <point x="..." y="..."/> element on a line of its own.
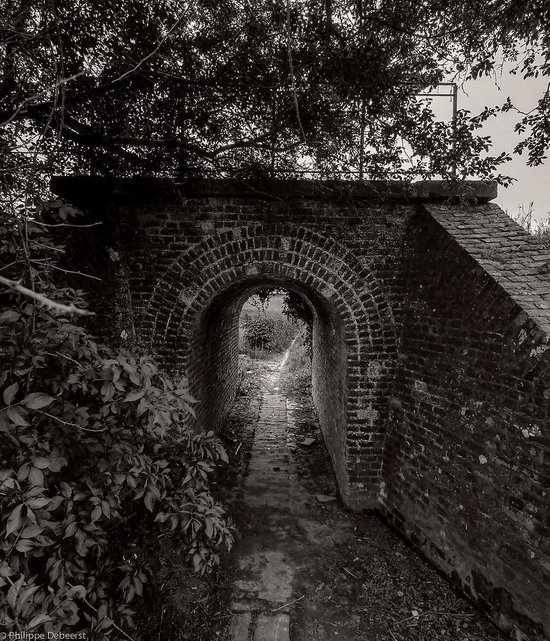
<point x="93" y="189"/>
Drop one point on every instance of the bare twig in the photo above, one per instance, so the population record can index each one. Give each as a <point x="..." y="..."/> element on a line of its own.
<point x="58" y="84"/>
<point x="238" y="144"/>
<point x="61" y="71"/>
<point x="60" y="420"/>
<point x="95" y="610"/>
<point x="68" y="358"/>
<point x="67" y="271"/>
<point x="287" y="604"/>
<point x="160" y="624"/>
<point x="454" y="615"/>
<point x="7" y="170"/>
<point x="291" y="69"/>
<point x="152" y="53"/>
<point x="37" y="222"/>
<point x="50" y="247"/>
<point x="44" y="300"/>
<point x="13" y="262"/>
<point x="24" y="235"/>
<point x="350" y="573"/>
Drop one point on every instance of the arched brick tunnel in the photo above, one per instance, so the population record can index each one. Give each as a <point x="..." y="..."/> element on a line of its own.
<point x="192" y="322"/>
<point x="431" y="367"/>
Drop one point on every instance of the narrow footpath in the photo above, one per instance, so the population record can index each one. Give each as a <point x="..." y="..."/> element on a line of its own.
<point x="270" y="549"/>
<point x="307" y="570"/>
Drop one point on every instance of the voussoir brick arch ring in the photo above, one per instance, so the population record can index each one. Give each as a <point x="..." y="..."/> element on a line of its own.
<point x="311" y="262"/>
<point x="320" y="265"/>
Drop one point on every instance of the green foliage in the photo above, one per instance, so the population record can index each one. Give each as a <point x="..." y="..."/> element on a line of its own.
<point x="297" y="310"/>
<point x="97" y="462"/>
<point x="165" y="85"/>
<point x="294" y="307"/>
<point x="265" y="333"/>
<point x="297" y="377"/>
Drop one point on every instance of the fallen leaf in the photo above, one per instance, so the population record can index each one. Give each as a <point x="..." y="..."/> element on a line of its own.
<point x="323" y="498"/>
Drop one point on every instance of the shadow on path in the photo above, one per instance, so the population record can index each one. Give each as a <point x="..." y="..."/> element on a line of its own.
<point x="305" y="569"/>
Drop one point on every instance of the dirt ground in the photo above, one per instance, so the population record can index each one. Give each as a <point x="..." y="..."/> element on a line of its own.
<point x="337" y="575"/>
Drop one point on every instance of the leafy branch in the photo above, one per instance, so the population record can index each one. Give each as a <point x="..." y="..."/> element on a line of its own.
<point x="41" y="299"/>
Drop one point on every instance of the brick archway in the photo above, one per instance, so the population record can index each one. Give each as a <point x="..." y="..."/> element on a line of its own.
<point x="192" y="325"/>
<point x="465" y="458"/>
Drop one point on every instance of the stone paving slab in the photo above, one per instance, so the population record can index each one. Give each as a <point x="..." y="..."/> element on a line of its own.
<point x="239" y="626"/>
<point x="265" y="576"/>
<point x="272" y="628"/>
<point x="242" y="606"/>
<point x="327" y="575"/>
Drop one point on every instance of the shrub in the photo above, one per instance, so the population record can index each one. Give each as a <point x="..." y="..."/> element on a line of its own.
<point x="297" y="378"/>
<point x="264" y="333"/>
<point x="95" y="460"/>
<point x="294" y="308"/>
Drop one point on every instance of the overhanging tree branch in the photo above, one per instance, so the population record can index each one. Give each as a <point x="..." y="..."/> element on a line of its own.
<point x="44" y="300"/>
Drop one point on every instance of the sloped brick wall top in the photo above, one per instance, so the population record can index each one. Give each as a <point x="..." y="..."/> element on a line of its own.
<point x="516" y="260"/>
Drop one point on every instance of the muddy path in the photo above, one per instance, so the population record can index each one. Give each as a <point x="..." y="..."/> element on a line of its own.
<point x="304" y="568"/>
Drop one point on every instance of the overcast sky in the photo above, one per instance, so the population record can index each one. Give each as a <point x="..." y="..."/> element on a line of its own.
<point x="533" y="183"/>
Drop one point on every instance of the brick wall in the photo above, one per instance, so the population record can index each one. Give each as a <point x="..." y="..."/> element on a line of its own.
<point x="431" y="374"/>
<point x="213" y="363"/>
<point x="200" y="296"/>
<point x="467" y="463"/>
<point x="190" y="255"/>
<point x="330" y="382"/>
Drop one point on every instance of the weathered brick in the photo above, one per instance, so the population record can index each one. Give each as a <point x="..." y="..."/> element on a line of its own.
<point x="465" y="389"/>
<point x="431" y="373"/>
